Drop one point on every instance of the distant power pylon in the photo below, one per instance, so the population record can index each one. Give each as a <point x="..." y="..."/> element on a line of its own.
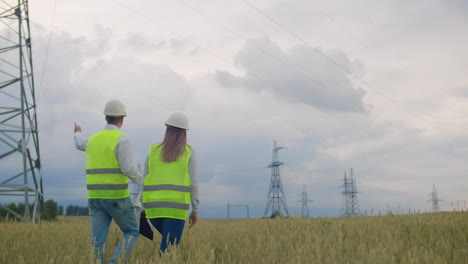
<point x="304" y="200"/>
<point x="275" y="198"/>
<point x="349" y="203"/>
<point x="246" y="206"/>
<point x="19" y="138"/>
<point x="435" y="200"/>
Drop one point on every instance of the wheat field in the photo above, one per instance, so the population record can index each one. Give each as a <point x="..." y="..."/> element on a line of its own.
<point x="418" y="238"/>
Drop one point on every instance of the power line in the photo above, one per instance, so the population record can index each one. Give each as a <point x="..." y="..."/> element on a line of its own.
<point x="8" y="40"/>
<point x="276" y="58"/>
<point x="268" y="83"/>
<point x="4" y="9"/>
<point x="171" y="31"/>
<point x="47" y="51"/>
<point x="334" y="62"/>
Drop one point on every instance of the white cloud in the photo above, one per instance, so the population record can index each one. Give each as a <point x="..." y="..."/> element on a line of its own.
<point x="417" y="61"/>
<point x="300" y="75"/>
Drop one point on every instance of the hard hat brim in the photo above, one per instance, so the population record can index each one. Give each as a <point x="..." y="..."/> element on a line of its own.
<point x="124" y="115"/>
<point x="168" y="124"/>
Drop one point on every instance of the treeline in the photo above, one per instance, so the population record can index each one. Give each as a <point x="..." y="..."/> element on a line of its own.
<point x="51" y="210"/>
<point x="74" y="210"/>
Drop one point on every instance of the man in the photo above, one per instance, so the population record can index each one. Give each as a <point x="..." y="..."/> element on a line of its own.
<point x="109" y="165"/>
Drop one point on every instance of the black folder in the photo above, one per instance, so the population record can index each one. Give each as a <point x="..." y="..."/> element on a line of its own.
<point x="145" y="227"/>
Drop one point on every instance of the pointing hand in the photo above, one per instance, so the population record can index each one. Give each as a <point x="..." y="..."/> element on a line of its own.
<point x="77" y="128"/>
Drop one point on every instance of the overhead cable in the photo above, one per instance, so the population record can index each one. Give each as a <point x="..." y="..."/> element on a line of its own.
<point x="331" y="60"/>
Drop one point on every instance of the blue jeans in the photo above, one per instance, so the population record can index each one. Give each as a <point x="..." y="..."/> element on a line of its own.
<point x="168" y="227"/>
<point x="102" y="211"/>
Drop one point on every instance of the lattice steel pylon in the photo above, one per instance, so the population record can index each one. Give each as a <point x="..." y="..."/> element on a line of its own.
<point x="275" y="198"/>
<point x="349" y="203"/>
<point x="19" y="142"/>
<point x="435" y="200"/>
<point x="304" y="201"/>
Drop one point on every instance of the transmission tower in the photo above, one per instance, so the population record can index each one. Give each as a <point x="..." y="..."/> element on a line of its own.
<point x="19" y="142"/>
<point x="349" y="203"/>
<point x="434" y="200"/>
<point x="304" y="200"/>
<point x="275" y="198"/>
<point x="246" y="206"/>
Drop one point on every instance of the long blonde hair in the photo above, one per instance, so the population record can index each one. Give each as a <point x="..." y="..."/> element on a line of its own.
<point x="173" y="145"/>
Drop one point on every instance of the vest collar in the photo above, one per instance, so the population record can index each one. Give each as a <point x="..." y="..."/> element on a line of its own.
<point x="111" y="127"/>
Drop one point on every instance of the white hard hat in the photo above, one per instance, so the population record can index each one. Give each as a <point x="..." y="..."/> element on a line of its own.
<point x="115" y="107"/>
<point x="179" y="120"/>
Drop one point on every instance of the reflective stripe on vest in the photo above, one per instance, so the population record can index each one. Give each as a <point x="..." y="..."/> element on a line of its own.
<point x="104" y="179"/>
<point x="166" y="205"/>
<point x="166" y="191"/>
<point x="166" y="187"/>
<point x="107" y="186"/>
<point x="103" y="171"/>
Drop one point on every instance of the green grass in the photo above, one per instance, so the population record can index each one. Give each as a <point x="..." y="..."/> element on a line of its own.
<point x="419" y="238"/>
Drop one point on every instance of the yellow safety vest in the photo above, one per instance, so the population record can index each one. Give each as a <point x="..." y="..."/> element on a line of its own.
<point x="104" y="179"/>
<point x="166" y="192"/>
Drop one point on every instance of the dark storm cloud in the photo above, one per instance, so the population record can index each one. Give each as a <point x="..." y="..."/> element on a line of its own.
<point x="301" y="75"/>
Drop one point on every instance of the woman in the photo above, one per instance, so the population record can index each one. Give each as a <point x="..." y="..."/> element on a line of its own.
<point x="171" y="183"/>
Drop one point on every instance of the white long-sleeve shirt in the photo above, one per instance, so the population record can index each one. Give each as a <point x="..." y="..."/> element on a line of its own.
<point x="192" y="170"/>
<point x="123" y="153"/>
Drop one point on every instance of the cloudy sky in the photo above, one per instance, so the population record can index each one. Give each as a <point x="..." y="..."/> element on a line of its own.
<point x="377" y="86"/>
